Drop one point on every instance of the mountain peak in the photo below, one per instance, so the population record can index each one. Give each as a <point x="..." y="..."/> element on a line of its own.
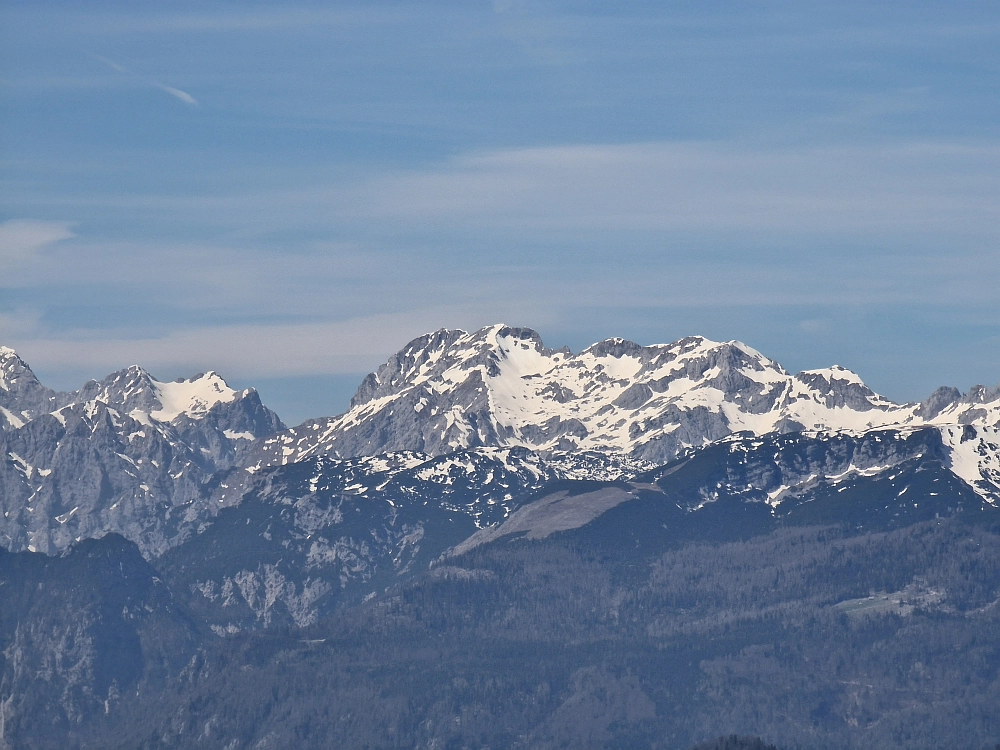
<point x="193" y="396"/>
<point x="22" y="396"/>
<point x="133" y="390"/>
<point x="614" y="347"/>
<point x="836" y="372"/>
<point x="503" y="333"/>
<point x="10" y="362"/>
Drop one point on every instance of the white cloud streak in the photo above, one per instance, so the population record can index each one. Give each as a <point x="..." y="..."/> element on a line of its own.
<point x="696" y="187"/>
<point x="182" y="95"/>
<point x="922" y="221"/>
<point x="174" y="92"/>
<point x="22" y="239"/>
<point x="665" y="189"/>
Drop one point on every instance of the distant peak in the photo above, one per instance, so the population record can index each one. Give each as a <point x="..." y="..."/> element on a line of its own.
<point x="614" y="347"/>
<point x="211" y="375"/>
<point x="691" y="343"/>
<point x="746" y="349"/>
<point x="442" y="337"/>
<point x="518" y="334"/>
<point x="834" y="371"/>
<point x="10" y="357"/>
<point x="193" y="397"/>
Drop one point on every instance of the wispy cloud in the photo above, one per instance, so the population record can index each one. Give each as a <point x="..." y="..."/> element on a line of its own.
<point x="676" y="224"/>
<point x="113" y="65"/>
<point x="182" y="95"/>
<point x="22" y="239"/>
<point x="696" y="186"/>
<point x="174" y="92"/>
<point x="665" y="189"/>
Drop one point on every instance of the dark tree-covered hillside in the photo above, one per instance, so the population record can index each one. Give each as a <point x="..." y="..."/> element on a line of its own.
<point x="811" y="637"/>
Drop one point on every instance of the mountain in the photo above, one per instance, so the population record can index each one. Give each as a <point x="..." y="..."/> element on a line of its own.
<point x="501" y="545"/>
<point x="310" y="537"/>
<point x="22" y="396"/>
<point x="501" y="387"/>
<point x="822" y="637"/>
<point x="156" y="461"/>
<point x="128" y="454"/>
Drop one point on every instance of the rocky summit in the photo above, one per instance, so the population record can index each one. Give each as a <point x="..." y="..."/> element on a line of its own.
<point x="128" y="454"/>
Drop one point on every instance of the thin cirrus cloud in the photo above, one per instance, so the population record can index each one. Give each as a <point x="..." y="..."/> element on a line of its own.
<point x="660" y="188"/>
<point x="174" y="92"/>
<point x="520" y="209"/>
<point x="695" y="186"/>
<point x="21" y="240"/>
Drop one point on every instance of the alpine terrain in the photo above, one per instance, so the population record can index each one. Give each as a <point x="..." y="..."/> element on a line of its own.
<point x="502" y="545"/>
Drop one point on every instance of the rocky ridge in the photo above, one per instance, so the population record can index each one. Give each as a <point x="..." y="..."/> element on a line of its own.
<point x="501" y="387"/>
<point x="315" y="535"/>
<point x="127" y="454"/>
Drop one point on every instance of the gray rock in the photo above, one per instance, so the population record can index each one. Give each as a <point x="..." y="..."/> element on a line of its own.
<point x="79" y="465"/>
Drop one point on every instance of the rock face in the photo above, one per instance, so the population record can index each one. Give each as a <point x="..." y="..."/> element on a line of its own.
<point x="128" y="454"/>
<point x="22" y="397"/>
<point x="500" y="386"/>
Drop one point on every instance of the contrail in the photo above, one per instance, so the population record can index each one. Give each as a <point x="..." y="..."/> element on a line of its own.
<point x="184" y="96"/>
<point x="112" y="64"/>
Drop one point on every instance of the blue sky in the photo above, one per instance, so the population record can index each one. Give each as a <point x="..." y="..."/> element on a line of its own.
<point x="288" y="193"/>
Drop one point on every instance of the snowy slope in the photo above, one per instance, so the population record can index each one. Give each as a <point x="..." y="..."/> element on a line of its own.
<point x="974" y="457"/>
<point x="500" y="386"/>
<point x="136" y="392"/>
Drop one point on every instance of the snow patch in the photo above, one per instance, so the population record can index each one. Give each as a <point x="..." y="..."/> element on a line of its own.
<point x="12" y="419"/>
<point x="193" y="397"/>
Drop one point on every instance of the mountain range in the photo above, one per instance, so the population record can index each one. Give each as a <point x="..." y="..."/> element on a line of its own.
<point x="501" y="387"/>
<point x="156" y="461"/>
<point x="468" y="462"/>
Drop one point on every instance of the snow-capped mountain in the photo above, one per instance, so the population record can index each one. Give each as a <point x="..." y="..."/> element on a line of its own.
<point x="500" y="386"/>
<point x="468" y="422"/>
<point x="128" y="454"/>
